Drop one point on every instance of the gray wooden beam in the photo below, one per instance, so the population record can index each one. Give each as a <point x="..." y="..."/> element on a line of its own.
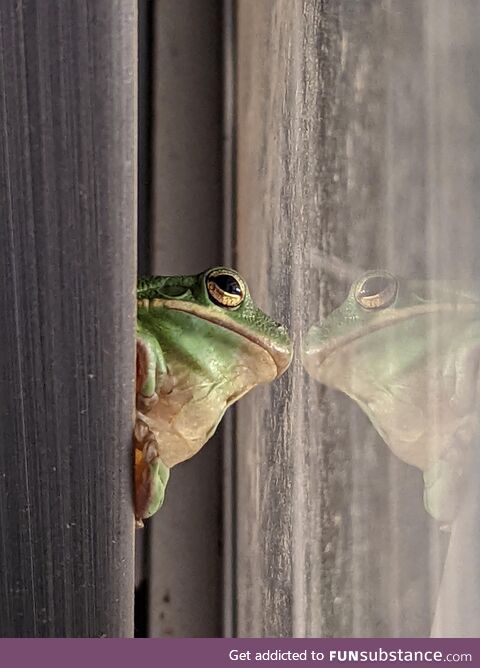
<point x="185" y="536"/>
<point x="67" y="270"/>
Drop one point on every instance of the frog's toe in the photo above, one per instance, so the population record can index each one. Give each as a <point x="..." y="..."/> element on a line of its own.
<point x="145" y="403"/>
<point x="150" y="483"/>
<point x="150" y="452"/>
<point x="141" y="431"/>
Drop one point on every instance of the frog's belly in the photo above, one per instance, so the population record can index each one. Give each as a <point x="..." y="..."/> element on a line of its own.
<point x="418" y="429"/>
<point x="181" y="438"/>
<point x="187" y="417"/>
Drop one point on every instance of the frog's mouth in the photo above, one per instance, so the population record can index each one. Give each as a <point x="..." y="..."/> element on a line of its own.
<point x="281" y="354"/>
<point x="319" y="345"/>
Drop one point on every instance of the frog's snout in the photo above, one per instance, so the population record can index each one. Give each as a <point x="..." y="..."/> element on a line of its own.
<point x="282" y="358"/>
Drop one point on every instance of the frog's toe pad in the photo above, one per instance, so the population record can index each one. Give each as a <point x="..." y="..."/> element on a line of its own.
<point x="141" y="431"/>
<point x="145" y="403"/>
<point x="150" y="452"/>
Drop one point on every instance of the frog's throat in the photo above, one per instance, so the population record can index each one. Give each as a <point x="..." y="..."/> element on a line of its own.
<point x="281" y="355"/>
<point x="319" y="353"/>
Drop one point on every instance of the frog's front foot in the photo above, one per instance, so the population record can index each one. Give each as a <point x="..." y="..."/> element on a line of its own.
<point x="151" y="474"/>
<point x="144" y="404"/>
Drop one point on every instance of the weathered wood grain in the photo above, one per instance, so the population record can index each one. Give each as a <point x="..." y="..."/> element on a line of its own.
<point x="67" y="271"/>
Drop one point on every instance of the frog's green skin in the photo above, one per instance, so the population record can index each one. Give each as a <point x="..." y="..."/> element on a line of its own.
<point x="410" y="360"/>
<point x="201" y="345"/>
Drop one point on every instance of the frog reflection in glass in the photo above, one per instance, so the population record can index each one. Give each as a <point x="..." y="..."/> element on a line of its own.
<point x="201" y="345"/>
<point x="407" y="351"/>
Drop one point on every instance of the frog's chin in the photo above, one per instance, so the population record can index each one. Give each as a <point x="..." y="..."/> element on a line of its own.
<point x="281" y="355"/>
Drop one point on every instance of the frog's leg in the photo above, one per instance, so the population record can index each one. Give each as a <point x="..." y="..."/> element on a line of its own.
<point x="444" y="483"/>
<point x="447" y="477"/>
<point x="152" y="371"/>
<point x="462" y="371"/>
<point x="151" y="474"/>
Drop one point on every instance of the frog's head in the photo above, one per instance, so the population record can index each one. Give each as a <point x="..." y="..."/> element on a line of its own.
<point x="214" y="319"/>
<point x="387" y="347"/>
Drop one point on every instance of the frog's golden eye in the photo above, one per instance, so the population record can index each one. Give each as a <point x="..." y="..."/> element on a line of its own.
<point x="225" y="289"/>
<point x="376" y="291"/>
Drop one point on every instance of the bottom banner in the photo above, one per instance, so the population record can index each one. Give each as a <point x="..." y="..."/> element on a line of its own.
<point x="230" y="653"/>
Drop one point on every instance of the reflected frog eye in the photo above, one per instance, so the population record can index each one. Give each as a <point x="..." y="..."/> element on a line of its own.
<point x="225" y="289"/>
<point x="376" y="291"/>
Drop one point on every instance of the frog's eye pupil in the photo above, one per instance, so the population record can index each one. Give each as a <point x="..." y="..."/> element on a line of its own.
<point x="376" y="292"/>
<point x="228" y="284"/>
<point x="373" y="286"/>
<point x="225" y="289"/>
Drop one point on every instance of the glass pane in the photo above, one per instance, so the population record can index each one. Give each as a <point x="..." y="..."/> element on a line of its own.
<point x="358" y="135"/>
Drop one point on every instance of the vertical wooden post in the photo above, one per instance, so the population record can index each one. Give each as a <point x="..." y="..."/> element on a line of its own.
<point x="67" y="271"/>
<point x="185" y="600"/>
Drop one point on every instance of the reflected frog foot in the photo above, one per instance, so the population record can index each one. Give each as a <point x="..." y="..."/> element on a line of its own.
<point x="445" y="482"/>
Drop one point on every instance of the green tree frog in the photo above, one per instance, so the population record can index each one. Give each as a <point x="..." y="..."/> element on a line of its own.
<point x="407" y="351"/>
<point x="201" y="345"/>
